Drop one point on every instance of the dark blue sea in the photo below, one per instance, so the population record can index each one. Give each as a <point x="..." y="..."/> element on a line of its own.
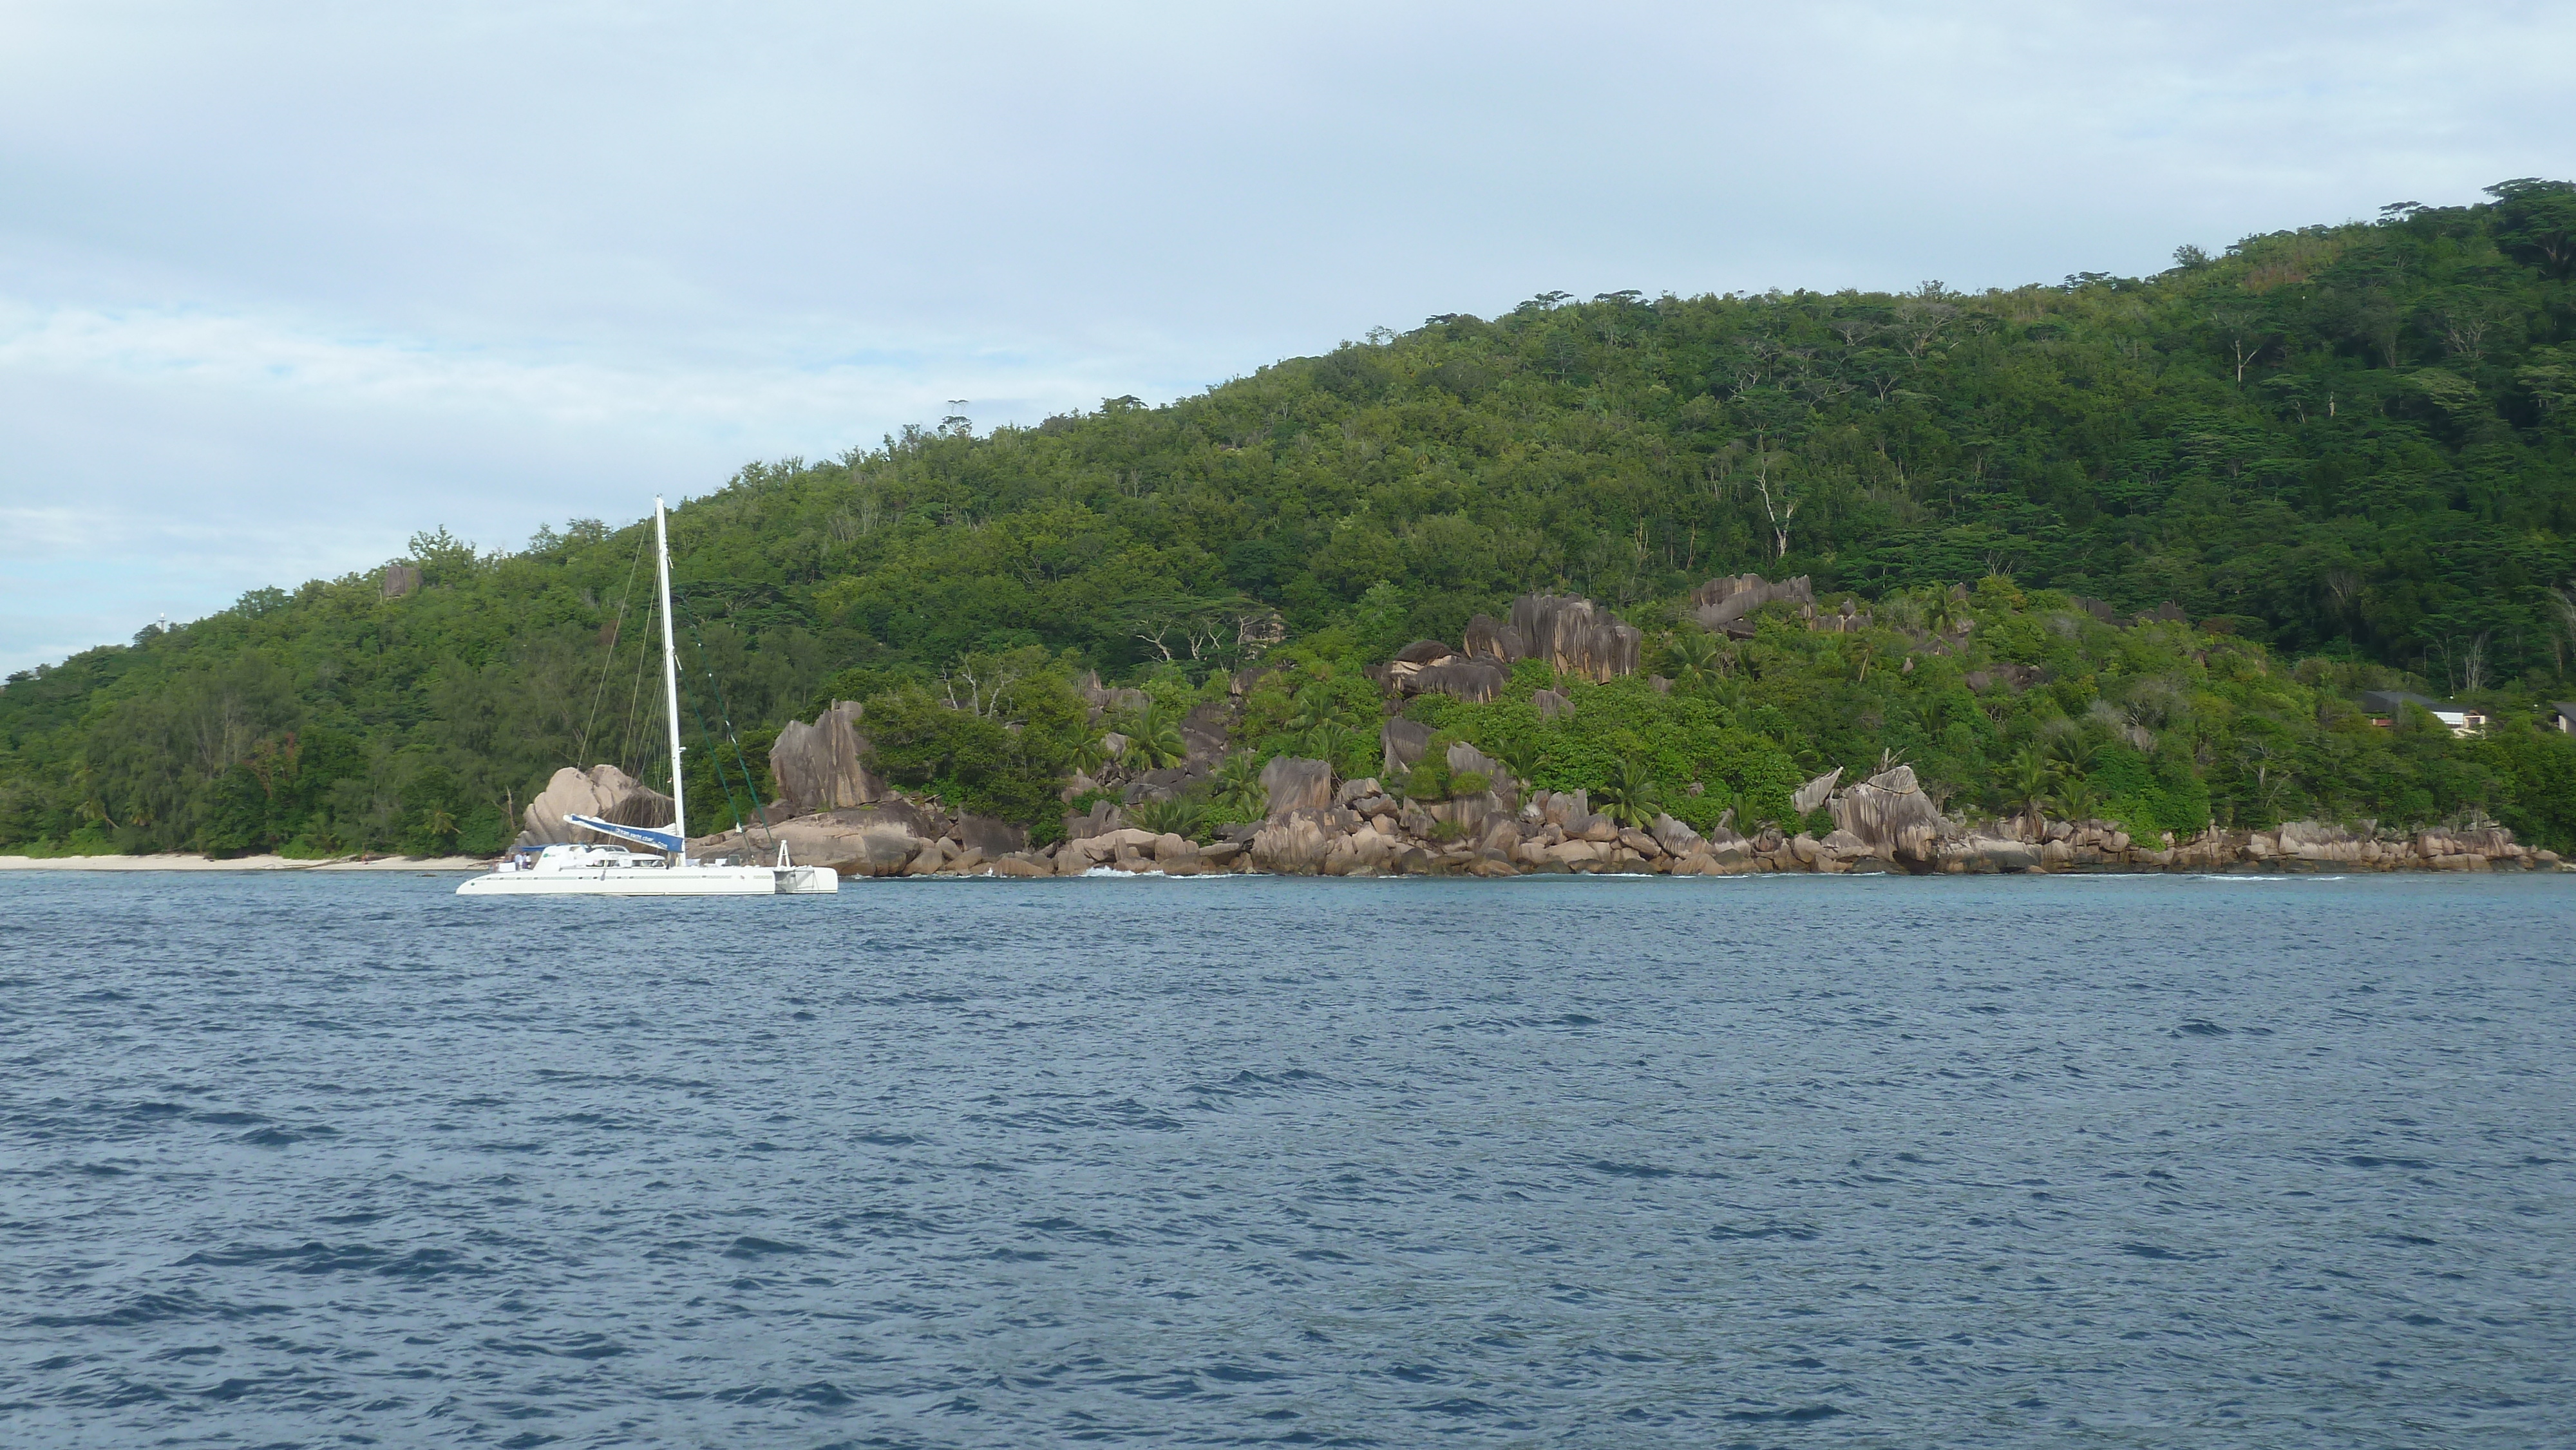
<point x="346" y="1160"/>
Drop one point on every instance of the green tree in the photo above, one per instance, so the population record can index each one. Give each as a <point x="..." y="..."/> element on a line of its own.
<point x="1697" y="659"/>
<point x="1154" y="740"/>
<point x="1631" y="797"/>
<point x="2028" y="780"/>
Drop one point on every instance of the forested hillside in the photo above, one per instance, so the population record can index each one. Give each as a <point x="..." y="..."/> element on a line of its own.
<point x="2353" y="445"/>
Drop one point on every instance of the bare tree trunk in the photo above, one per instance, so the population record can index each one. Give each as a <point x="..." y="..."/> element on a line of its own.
<point x="1779" y="513"/>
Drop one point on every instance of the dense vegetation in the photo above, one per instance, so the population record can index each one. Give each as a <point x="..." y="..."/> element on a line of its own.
<point x="2348" y="453"/>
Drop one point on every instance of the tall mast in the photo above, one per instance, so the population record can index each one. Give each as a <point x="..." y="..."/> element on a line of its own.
<point x="670" y="679"/>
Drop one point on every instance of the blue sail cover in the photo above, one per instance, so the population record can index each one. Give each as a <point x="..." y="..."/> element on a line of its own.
<point x="664" y="839"/>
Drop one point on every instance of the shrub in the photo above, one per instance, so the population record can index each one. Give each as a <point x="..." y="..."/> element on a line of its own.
<point x="1182" y="815"/>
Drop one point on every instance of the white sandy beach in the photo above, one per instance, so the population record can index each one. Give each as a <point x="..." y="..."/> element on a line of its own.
<point x="188" y="861"/>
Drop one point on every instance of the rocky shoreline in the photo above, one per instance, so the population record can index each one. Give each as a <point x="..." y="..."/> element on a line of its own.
<point x="1884" y="824"/>
<point x="835" y="811"/>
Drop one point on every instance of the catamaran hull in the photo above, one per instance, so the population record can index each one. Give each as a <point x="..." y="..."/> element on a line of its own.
<point x="659" y="881"/>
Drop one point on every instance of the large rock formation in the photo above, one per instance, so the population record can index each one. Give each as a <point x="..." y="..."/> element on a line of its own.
<point x="1475" y="681"/>
<point x="1101" y="819"/>
<point x="872" y="840"/>
<point x="1576" y="636"/>
<point x="1489" y="639"/>
<point x="1104" y="701"/>
<point x="1428" y="667"/>
<point x="1890" y="816"/>
<point x="1203" y="734"/>
<point x="1978" y="852"/>
<point x="1165" y="784"/>
<point x="1400" y="744"/>
<point x="1293" y="784"/>
<point x="1416" y="657"/>
<point x="1721" y="602"/>
<point x="990" y="835"/>
<point x="1465" y="759"/>
<point x="1850" y="619"/>
<point x="1815" y="792"/>
<point x="1295" y="844"/>
<point x="603" y="791"/>
<point x="817" y="766"/>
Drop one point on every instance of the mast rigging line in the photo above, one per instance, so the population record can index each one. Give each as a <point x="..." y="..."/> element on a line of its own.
<point x="724" y="714"/>
<point x="616" y="633"/>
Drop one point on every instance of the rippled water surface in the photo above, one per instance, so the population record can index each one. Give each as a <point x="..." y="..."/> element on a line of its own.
<point x="2076" y="1161"/>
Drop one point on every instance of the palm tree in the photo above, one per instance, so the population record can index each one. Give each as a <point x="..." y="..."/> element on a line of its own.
<point x="1182" y="815"/>
<point x="1696" y="658"/>
<point x="2027" y="778"/>
<point x="1091" y="753"/>
<point x="1328" y="740"/>
<point x="1310" y="707"/>
<point x="2069" y="754"/>
<point x="1236" y="794"/>
<point x="1156" y="741"/>
<point x="2075" y="799"/>
<point x="1734" y="808"/>
<point x="1520" y="755"/>
<point x="1631" y="797"/>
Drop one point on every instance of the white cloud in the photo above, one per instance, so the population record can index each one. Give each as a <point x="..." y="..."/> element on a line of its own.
<point x="204" y="350"/>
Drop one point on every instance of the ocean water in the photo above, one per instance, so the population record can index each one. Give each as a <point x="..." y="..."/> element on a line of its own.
<point x="345" y="1160"/>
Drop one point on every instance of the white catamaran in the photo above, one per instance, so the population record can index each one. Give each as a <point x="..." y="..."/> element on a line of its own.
<point x="582" y="870"/>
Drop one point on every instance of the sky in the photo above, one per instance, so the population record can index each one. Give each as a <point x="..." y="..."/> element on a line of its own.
<point x="282" y="284"/>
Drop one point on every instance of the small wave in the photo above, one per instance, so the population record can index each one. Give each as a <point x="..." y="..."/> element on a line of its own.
<point x="2203" y="1027"/>
<point x="156" y="1309"/>
<point x="1802" y="1415"/>
<point x="2363" y="1160"/>
<point x="276" y="1137"/>
<point x="750" y="1247"/>
<point x="820" y="1395"/>
<point x="1629" y="1170"/>
<point x="2159" y="1253"/>
<point x="578" y="1346"/>
<point x="1460" y="1405"/>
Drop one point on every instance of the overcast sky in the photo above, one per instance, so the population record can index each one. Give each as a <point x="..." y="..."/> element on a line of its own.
<point x="282" y="283"/>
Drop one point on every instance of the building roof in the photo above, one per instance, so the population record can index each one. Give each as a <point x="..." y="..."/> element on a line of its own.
<point x="2388" y="702"/>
